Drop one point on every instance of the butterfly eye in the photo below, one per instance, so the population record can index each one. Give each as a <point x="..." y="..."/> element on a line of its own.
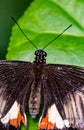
<point x="44" y="53"/>
<point x="37" y="52"/>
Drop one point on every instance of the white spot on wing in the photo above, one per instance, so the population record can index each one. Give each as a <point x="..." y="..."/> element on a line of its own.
<point x="55" y="117"/>
<point x="5" y="119"/>
<point x="12" y="113"/>
<point x="66" y="122"/>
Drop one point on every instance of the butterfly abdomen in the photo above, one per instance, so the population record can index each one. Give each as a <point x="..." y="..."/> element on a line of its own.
<point x="34" y="100"/>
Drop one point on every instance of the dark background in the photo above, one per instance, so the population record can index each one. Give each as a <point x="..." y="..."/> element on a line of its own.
<point x="9" y="8"/>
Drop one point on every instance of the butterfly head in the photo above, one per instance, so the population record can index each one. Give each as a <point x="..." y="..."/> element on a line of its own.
<point x="40" y="56"/>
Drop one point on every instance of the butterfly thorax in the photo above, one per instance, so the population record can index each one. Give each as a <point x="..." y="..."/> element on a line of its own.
<point x="35" y="96"/>
<point x="40" y="56"/>
<point x="39" y="63"/>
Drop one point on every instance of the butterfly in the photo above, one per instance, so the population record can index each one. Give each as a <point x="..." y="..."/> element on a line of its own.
<point x="59" y="87"/>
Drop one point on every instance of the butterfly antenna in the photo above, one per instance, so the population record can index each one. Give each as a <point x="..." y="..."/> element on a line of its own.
<point x="57" y="36"/>
<point x="23" y="32"/>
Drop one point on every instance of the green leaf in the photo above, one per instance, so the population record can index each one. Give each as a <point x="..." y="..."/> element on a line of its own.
<point x="42" y="22"/>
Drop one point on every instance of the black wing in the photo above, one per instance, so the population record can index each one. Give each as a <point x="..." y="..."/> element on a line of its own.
<point x="63" y="85"/>
<point x="15" y="76"/>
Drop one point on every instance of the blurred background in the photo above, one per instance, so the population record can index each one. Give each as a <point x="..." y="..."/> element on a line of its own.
<point x="9" y="8"/>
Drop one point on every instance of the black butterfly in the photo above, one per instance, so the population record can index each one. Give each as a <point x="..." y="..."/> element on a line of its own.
<point x="59" y="87"/>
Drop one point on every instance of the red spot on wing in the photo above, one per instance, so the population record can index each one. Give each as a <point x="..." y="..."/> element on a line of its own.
<point x="43" y="123"/>
<point x="46" y="125"/>
<point x="51" y="126"/>
<point x="13" y="122"/>
<point x="21" y="118"/>
<point x="16" y="122"/>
